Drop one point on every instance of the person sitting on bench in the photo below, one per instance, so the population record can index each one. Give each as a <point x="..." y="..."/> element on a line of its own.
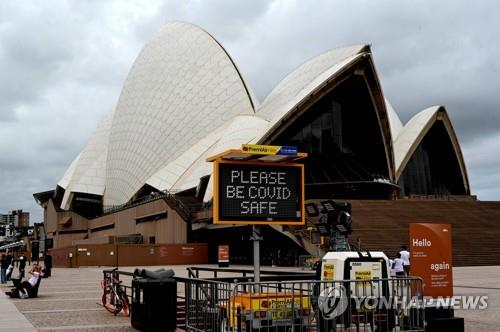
<point x="26" y="288"/>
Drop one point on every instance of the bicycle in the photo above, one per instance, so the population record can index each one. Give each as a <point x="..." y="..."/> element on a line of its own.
<point x="114" y="298"/>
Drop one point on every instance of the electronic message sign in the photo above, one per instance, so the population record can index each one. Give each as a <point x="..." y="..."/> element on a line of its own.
<point x="258" y="193"/>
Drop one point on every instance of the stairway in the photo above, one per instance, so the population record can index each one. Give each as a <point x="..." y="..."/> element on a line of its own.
<point x="383" y="225"/>
<point x="178" y="205"/>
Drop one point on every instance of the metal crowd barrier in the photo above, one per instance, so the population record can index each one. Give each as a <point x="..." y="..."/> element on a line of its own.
<point x="206" y="303"/>
<point x="313" y="306"/>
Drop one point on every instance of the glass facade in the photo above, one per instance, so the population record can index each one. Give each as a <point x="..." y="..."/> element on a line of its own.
<point x="342" y="136"/>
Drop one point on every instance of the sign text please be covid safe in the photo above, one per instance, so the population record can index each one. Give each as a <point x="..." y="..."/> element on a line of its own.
<point x="259" y="193"/>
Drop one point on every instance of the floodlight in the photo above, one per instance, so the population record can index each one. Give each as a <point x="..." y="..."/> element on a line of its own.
<point x="323" y="229"/>
<point x="344" y="218"/>
<point x="328" y="205"/>
<point x="343" y="206"/>
<point x="342" y="229"/>
<point x="312" y="210"/>
<point x="344" y="223"/>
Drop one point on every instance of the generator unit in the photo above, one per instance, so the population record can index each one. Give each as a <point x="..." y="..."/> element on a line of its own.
<point x="360" y="270"/>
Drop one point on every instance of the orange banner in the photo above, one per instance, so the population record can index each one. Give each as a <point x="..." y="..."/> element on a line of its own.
<point x="430" y="249"/>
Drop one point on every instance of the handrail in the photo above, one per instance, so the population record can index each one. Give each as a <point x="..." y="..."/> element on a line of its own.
<point x="179" y="206"/>
<point x="191" y="273"/>
<point x="165" y="194"/>
<point x="245" y="271"/>
<point x="126" y="273"/>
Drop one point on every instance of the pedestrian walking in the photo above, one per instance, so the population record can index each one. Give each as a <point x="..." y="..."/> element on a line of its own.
<point x="399" y="266"/>
<point x="22" y="265"/>
<point x="8" y="274"/>
<point x="47" y="262"/>
<point x="4" y="265"/>
<point x="9" y="258"/>
<point x="392" y="272"/>
<point x="405" y="256"/>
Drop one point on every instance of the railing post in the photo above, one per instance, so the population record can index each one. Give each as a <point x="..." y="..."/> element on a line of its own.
<point x="187" y="304"/>
<point x="238" y="319"/>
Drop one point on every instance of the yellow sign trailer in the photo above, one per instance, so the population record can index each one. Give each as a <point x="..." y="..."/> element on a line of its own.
<point x="266" y="310"/>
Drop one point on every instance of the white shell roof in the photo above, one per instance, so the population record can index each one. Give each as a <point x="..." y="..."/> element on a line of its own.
<point x="168" y="176"/>
<point x="89" y="170"/>
<point x="165" y="125"/>
<point x="181" y="88"/>
<point x="242" y="130"/>
<point x="394" y="121"/>
<point x="411" y="135"/>
<point x="305" y="80"/>
<point x="416" y="129"/>
<point x="299" y="84"/>
<point x="63" y="183"/>
<point x="185" y="171"/>
<point x="185" y="100"/>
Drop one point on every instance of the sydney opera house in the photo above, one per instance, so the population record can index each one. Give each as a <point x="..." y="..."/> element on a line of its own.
<point x="144" y="170"/>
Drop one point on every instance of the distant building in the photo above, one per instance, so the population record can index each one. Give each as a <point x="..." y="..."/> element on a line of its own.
<point x="12" y="220"/>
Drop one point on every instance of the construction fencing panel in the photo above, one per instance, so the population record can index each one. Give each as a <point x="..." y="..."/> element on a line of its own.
<point x="300" y="306"/>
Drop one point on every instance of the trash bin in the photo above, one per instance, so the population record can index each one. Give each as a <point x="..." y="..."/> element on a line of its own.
<point x="154" y="304"/>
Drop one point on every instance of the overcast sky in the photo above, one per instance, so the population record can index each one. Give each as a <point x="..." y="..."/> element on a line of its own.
<point x="63" y="64"/>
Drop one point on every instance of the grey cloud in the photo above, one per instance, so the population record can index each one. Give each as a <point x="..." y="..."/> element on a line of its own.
<point x="32" y="51"/>
<point x="482" y="162"/>
<point x="227" y="20"/>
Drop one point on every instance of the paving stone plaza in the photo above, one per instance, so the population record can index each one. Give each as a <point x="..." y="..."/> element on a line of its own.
<point x="70" y="301"/>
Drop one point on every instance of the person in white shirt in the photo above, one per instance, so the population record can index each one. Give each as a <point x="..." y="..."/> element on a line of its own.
<point x="8" y="274"/>
<point x="399" y="266"/>
<point x="392" y="272"/>
<point x="22" y="265"/>
<point x="26" y="288"/>
<point x="405" y="256"/>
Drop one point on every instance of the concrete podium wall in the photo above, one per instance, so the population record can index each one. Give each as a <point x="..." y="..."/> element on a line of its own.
<point x="130" y="255"/>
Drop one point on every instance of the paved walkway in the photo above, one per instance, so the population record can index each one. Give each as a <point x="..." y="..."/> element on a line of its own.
<point x="69" y="301"/>
<point x="11" y="320"/>
<point x="483" y="280"/>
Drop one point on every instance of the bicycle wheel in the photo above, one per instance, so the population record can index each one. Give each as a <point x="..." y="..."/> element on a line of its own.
<point x="125" y="304"/>
<point x="108" y="303"/>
